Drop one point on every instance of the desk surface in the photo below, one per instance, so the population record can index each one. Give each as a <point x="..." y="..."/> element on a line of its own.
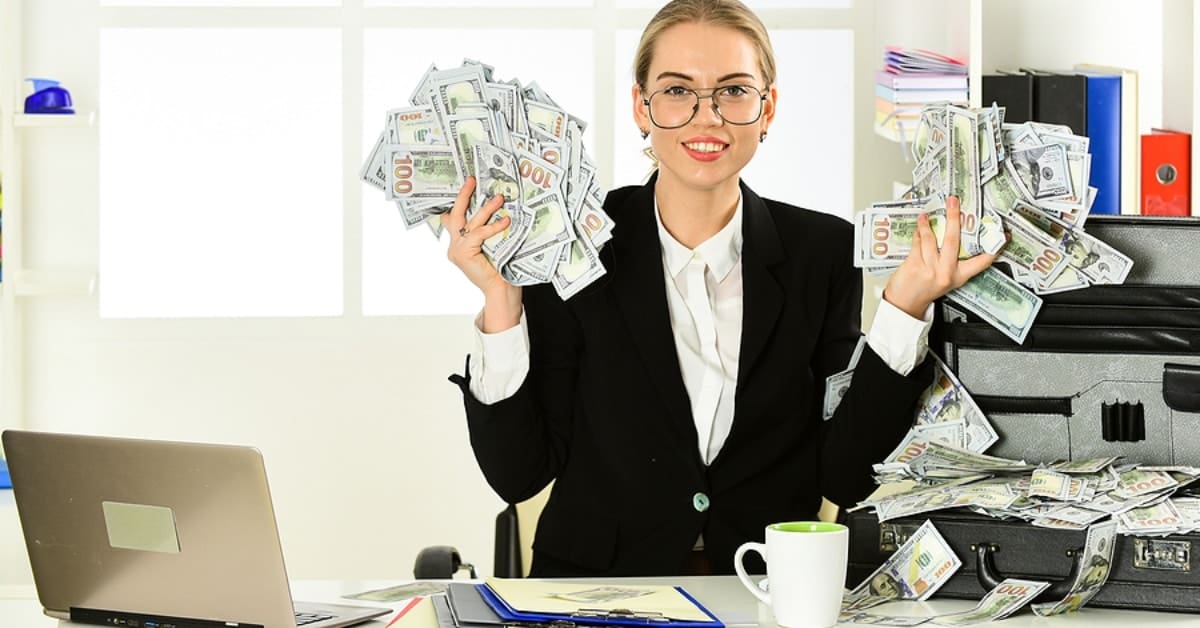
<point x="723" y="595"/>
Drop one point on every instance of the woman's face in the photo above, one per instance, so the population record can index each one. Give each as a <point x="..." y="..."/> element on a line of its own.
<point x="707" y="152"/>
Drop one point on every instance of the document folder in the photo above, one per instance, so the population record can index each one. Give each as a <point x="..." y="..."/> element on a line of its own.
<point x="575" y="604"/>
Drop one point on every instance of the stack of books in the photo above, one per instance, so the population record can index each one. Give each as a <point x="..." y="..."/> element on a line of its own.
<point x="909" y="80"/>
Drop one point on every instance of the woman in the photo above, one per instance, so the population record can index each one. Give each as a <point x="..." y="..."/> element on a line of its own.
<point x="677" y="402"/>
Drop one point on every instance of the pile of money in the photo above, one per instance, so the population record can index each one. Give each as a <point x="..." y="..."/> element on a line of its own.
<point x="1022" y="190"/>
<point x="1142" y="500"/>
<point x="518" y="143"/>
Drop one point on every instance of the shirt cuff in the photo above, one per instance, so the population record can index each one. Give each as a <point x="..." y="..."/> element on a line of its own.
<point x="499" y="362"/>
<point x="898" y="339"/>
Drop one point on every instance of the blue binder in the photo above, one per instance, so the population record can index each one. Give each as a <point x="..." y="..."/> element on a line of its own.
<point x="1104" y="129"/>
<point x="5" y="481"/>
<point x="583" y="617"/>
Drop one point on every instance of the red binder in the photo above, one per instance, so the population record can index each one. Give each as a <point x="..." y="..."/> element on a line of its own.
<point x="1166" y="173"/>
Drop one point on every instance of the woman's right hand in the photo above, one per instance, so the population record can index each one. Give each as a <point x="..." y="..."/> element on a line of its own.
<point x="502" y="300"/>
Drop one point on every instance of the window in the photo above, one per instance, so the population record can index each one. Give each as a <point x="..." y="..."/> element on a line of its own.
<point x="220" y="164"/>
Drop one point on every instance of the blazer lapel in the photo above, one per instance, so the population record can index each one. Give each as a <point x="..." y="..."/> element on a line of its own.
<point x="641" y="295"/>
<point x="762" y="300"/>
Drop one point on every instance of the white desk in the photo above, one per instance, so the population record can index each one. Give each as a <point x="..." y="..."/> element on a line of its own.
<point x="723" y="595"/>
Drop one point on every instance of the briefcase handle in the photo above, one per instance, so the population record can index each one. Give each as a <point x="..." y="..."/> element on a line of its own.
<point x="990" y="577"/>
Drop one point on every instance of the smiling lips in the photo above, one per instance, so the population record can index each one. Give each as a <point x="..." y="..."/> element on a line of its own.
<point x="705" y="148"/>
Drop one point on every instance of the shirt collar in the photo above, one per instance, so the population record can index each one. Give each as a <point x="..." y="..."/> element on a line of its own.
<point x="720" y="252"/>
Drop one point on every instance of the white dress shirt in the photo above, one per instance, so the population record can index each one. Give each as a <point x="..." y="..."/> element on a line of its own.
<point x="704" y="298"/>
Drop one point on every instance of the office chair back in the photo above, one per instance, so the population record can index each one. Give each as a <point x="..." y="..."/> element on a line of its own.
<point x="506" y="560"/>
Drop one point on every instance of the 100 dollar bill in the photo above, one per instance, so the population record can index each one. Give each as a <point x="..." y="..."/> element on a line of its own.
<point x="1000" y="301"/>
<point x="914" y="572"/>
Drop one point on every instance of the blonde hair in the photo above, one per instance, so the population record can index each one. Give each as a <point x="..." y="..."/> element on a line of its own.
<point x="728" y="13"/>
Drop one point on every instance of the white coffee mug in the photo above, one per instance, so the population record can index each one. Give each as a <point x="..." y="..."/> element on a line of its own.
<point x="806" y="566"/>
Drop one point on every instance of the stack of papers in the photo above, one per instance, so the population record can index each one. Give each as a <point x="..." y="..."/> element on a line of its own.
<point x="898" y="60"/>
<point x="910" y="79"/>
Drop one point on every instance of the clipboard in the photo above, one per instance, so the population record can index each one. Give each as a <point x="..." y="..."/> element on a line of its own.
<point x="595" y="617"/>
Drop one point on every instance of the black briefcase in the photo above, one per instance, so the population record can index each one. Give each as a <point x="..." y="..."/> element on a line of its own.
<point x="1147" y="573"/>
<point x="1107" y="370"/>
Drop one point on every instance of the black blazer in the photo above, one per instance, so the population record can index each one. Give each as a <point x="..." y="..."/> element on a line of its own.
<point x="605" y="413"/>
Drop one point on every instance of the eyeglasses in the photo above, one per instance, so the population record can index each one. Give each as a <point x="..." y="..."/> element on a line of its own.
<point x="675" y="106"/>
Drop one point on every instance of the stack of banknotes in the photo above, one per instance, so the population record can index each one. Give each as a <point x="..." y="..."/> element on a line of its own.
<point x="1023" y="190"/>
<point x="925" y="562"/>
<point x="518" y="143"/>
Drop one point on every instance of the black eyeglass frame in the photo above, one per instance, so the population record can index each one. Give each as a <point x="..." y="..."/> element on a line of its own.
<point x="762" y="98"/>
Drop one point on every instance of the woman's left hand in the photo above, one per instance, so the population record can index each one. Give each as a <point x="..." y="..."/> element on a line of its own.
<point x="928" y="273"/>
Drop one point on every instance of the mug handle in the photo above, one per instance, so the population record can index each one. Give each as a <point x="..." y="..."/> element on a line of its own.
<point x="761" y="550"/>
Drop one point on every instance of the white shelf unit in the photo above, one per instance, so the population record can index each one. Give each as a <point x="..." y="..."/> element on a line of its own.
<point x="1156" y="38"/>
<point x="71" y="120"/>
<point x="19" y="282"/>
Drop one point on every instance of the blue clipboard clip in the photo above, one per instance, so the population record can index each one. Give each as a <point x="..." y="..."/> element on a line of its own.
<point x="620" y="613"/>
<point x="592" y="618"/>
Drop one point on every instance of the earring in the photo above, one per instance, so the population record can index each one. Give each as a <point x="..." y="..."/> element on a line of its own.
<point x="762" y="137"/>
<point x="645" y="133"/>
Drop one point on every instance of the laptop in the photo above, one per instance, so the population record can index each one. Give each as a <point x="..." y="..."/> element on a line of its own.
<point x="155" y="534"/>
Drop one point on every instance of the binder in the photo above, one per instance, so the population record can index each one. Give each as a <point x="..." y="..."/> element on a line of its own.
<point x="1131" y="159"/>
<point x="1166" y="173"/>
<point x="468" y="607"/>
<point x="1014" y="92"/>
<point x="637" y="617"/>
<point x="1104" y="129"/>
<point x="1060" y="99"/>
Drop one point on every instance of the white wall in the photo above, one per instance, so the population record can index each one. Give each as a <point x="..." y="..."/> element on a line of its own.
<point x="1057" y="34"/>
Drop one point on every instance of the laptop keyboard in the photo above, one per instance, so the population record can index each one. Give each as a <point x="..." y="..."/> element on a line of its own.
<point x="303" y="619"/>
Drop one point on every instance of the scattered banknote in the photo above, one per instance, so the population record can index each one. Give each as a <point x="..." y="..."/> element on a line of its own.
<point x="837" y="384"/>
<point x="876" y="619"/>
<point x="945" y="410"/>
<point x="1022" y="191"/>
<point x="519" y="144"/>
<point x="1001" y="301"/>
<point x="914" y="572"/>
<point x="1007" y="598"/>
<point x="947" y="403"/>
<point x="1093" y="571"/>
<point x="401" y="592"/>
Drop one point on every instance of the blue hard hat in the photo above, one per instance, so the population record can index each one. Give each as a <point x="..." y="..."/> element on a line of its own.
<point x="48" y="97"/>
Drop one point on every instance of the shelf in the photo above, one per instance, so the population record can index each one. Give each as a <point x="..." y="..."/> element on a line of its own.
<point x="74" y="120"/>
<point x="43" y="283"/>
<point x="891" y="135"/>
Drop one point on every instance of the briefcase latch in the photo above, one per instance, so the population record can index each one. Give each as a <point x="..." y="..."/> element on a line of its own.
<point x="893" y="535"/>
<point x="1162" y="554"/>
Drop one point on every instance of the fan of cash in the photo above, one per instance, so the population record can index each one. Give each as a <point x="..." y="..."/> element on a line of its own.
<point x="1024" y="183"/>
<point x="518" y="143"/>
